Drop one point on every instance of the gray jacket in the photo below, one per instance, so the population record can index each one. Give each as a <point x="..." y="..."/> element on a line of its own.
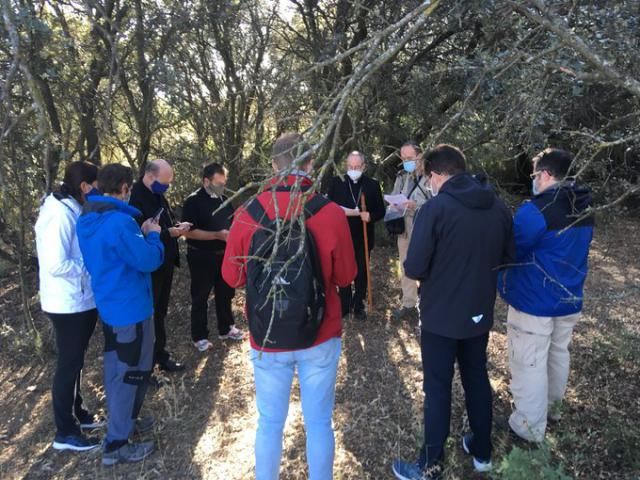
<point x="404" y="184"/>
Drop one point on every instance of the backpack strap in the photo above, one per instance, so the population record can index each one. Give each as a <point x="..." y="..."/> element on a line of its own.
<point x="314" y="205"/>
<point x="417" y="185"/>
<point x="420" y="188"/>
<point x="258" y="213"/>
<point x="288" y="188"/>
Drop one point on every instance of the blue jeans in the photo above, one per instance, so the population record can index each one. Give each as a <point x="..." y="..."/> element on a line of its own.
<point x="317" y="370"/>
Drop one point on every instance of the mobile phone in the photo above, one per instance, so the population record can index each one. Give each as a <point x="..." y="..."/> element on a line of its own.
<point x="156" y="217"/>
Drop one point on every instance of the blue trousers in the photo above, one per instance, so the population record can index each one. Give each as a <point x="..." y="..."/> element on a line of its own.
<point x="438" y="359"/>
<point x="128" y="360"/>
<point x="317" y="369"/>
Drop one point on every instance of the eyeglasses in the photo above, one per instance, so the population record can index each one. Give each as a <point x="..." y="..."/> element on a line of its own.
<point x="535" y="174"/>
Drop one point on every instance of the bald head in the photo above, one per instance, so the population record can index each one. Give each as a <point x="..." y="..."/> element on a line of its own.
<point x="159" y="171"/>
<point x="355" y="160"/>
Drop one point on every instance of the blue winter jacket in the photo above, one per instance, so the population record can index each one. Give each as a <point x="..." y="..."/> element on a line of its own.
<point x="119" y="258"/>
<point x="551" y="263"/>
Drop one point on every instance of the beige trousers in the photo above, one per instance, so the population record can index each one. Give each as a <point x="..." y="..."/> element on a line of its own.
<point x="409" y="287"/>
<point x="538" y="349"/>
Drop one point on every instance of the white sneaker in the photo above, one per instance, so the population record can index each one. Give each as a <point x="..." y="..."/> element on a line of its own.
<point x="234" y="334"/>
<point x="203" y="345"/>
<point x="480" y="466"/>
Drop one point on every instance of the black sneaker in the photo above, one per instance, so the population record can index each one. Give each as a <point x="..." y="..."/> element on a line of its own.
<point x="89" y="420"/>
<point x="128" y="453"/>
<point x="171" y="366"/>
<point x="76" y="442"/>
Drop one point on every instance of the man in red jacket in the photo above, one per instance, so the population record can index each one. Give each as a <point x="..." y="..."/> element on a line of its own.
<point x="317" y="365"/>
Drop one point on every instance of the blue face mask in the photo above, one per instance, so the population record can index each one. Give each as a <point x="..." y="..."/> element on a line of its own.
<point x="409" y="166"/>
<point x="159" y="188"/>
<point x="533" y="187"/>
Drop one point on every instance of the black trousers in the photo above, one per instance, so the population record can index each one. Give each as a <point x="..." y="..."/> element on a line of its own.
<point x="438" y="358"/>
<point x="206" y="274"/>
<point x="161" y="280"/>
<point x="73" y="331"/>
<point x="352" y="297"/>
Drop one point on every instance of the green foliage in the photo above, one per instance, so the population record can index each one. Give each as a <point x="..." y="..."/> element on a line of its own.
<point x="522" y="464"/>
<point x="200" y="81"/>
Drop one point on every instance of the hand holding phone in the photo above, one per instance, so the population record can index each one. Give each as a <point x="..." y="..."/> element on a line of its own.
<point x="150" y="225"/>
<point x="180" y="229"/>
<point x="184" y="226"/>
<point x="156" y="217"/>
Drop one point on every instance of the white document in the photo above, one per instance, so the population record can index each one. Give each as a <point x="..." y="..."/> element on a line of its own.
<point x="398" y="199"/>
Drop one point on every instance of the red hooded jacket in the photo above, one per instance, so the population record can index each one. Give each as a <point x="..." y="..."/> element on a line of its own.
<point x="331" y="233"/>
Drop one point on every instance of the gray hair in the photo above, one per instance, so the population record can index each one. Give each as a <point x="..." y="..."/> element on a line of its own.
<point x="358" y="154"/>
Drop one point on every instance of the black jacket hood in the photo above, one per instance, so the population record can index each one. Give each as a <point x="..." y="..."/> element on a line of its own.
<point x="470" y="191"/>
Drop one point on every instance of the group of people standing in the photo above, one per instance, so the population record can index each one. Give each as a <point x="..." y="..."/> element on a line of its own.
<point x="464" y="244"/>
<point x="459" y="246"/>
<point x="108" y="245"/>
<point x="360" y="197"/>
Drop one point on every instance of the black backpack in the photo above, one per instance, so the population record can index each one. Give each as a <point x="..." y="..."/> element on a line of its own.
<point x="289" y="273"/>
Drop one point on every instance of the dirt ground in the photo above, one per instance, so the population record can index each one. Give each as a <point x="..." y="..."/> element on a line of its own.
<point x="207" y="417"/>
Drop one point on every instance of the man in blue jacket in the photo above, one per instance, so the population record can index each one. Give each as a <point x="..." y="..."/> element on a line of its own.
<point x="459" y="240"/>
<point x="544" y="291"/>
<point x="120" y="257"/>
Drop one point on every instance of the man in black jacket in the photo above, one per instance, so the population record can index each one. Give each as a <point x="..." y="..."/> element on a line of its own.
<point x="460" y="239"/>
<point x="147" y="195"/>
<point x="206" y="242"/>
<point x="347" y="191"/>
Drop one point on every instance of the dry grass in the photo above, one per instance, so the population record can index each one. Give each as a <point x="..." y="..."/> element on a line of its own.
<point x="207" y="416"/>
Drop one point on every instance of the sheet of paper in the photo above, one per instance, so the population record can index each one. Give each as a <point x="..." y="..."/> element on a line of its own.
<point x="398" y="199"/>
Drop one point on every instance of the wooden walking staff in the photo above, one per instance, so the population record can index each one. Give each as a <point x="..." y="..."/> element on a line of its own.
<point x="363" y="207"/>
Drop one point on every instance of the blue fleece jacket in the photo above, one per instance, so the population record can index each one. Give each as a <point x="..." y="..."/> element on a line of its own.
<point x="548" y="275"/>
<point x="119" y="258"/>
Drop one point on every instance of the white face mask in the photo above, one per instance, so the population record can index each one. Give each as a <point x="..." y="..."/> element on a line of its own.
<point x="434" y="190"/>
<point x="534" y="188"/>
<point x="354" y="174"/>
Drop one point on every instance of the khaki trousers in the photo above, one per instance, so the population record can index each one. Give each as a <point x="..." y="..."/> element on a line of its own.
<point x="538" y="349"/>
<point x="409" y="287"/>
